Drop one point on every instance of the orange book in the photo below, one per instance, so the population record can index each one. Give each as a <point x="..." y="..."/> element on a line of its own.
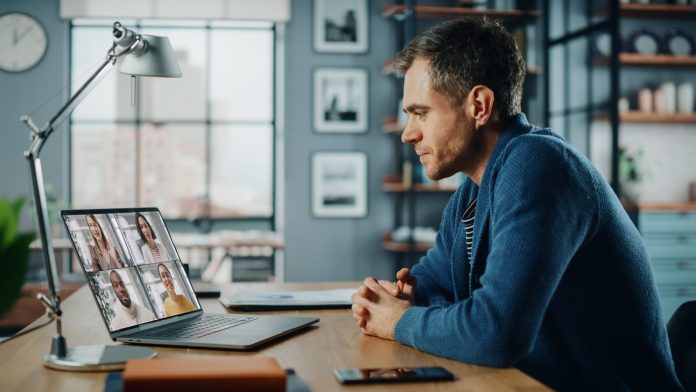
<point x="252" y="373"/>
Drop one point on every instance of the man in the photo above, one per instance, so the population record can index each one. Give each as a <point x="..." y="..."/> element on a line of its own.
<point x="536" y="264"/>
<point x="129" y="313"/>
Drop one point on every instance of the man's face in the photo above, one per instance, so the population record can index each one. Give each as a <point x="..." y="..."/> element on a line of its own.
<point x="443" y="137"/>
<point x="120" y="289"/>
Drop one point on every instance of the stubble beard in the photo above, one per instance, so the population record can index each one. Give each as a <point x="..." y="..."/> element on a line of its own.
<point x="458" y="159"/>
<point x="127" y="303"/>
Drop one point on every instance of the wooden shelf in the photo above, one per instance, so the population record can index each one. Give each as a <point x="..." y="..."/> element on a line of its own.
<point x="686" y="206"/>
<point x="388" y="243"/>
<point x="399" y="187"/>
<point x="640" y="117"/>
<point x="393" y="183"/>
<point x="398" y="11"/>
<point x="388" y="69"/>
<point x="669" y="11"/>
<point x="391" y="125"/>
<point x="673" y="11"/>
<point x="637" y="59"/>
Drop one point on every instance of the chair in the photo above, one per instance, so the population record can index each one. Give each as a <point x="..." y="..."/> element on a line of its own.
<point x="681" y="329"/>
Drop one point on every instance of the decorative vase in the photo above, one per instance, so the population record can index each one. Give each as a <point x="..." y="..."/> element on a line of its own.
<point x="631" y="191"/>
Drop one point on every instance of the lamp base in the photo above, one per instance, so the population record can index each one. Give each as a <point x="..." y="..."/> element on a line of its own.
<point x="97" y="358"/>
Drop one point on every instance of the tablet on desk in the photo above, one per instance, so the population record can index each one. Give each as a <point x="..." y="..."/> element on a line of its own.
<point x="287" y="300"/>
<point x="205" y="289"/>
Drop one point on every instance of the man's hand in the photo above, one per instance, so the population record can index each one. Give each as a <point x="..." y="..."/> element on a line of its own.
<point x="377" y="310"/>
<point x="403" y="288"/>
<point x="406" y="284"/>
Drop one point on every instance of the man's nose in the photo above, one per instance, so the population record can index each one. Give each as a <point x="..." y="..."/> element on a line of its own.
<point x="410" y="134"/>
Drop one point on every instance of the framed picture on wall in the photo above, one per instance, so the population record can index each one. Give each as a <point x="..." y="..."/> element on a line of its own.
<point x="339" y="184"/>
<point x="340" y="26"/>
<point x="340" y="100"/>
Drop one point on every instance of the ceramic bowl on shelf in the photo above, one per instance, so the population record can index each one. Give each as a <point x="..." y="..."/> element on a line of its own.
<point x="602" y="44"/>
<point x="677" y="43"/>
<point x="643" y="41"/>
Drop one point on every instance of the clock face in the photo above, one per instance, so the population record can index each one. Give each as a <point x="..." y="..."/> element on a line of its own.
<point x="22" y="42"/>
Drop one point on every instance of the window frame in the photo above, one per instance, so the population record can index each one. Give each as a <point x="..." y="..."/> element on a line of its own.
<point x="207" y="222"/>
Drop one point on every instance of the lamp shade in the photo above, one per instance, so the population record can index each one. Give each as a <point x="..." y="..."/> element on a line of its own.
<point x="157" y="59"/>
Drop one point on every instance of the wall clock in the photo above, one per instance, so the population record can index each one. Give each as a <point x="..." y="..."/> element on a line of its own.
<point x="23" y="42"/>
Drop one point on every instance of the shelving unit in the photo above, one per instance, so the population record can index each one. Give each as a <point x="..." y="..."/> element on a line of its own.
<point x="668" y="229"/>
<point x="406" y="193"/>
<point x="669" y="232"/>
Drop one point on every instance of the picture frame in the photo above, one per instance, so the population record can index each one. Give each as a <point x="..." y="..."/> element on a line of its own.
<point x="340" y="100"/>
<point x="339" y="184"/>
<point x="341" y="26"/>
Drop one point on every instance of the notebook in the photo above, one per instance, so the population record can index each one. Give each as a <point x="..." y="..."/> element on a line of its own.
<point x="144" y="297"/>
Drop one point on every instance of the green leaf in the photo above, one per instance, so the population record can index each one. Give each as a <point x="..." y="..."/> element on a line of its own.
<point x="9" y="223"/>
<point x="13" y="269"/>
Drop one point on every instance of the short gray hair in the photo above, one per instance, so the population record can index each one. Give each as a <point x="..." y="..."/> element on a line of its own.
<point x="467" y="52"/>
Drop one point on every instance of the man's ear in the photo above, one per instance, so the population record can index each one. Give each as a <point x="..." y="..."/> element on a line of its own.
<point x="481" y="99"/>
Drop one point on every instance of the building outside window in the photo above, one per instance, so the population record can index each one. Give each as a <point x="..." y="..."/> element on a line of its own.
<point x="195" y="146"/>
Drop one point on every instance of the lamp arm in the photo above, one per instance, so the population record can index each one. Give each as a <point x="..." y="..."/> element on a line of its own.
<point x="40" y="136"/>
<point x="32" y="155"/>
<point x="60" y="357"/>
<point x="85" y="89"/>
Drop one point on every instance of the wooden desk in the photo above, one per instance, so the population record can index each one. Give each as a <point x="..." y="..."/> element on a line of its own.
<point x="334" y="343"/>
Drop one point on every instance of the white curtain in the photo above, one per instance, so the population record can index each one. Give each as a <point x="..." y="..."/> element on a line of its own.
<point x="258" y="10"/>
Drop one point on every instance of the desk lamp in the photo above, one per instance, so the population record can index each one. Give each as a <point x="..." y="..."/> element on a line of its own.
<point x="137" y="55"/>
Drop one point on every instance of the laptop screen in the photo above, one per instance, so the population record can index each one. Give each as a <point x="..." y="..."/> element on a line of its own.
<point x="131" y="265"/>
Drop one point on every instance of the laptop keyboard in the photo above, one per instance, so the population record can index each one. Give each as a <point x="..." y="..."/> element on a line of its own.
<point x="202" y="326"/>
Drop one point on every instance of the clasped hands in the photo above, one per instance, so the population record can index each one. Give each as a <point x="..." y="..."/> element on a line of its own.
<point x="378" y="305"/>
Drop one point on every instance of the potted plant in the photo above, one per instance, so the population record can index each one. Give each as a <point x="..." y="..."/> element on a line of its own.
<point x="14" y="252"/>
<point x="632" y="172"/>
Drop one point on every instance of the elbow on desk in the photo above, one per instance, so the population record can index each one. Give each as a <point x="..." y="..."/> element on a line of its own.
<point x="487" y="341"/>
<point x="499" y="351"/>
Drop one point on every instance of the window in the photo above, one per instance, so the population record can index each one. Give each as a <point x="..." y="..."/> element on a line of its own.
<point x="198" y="145"/>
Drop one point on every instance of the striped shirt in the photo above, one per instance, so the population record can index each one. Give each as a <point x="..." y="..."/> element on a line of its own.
<point x="468" y="221"/>
<point x="156" y="254"/>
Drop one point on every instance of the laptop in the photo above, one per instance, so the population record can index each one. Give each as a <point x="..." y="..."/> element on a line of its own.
<point x="143" y="295"/>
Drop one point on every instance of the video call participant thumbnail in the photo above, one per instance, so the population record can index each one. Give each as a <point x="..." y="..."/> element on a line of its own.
<point x="127" y="313"/>
<point x="153" y="250"/>
<point x="103" y="254"/>
<point x="174" y="303"/>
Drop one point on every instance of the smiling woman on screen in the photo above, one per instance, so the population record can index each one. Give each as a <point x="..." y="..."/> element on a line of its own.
<point x="103" y="254"/>
<point x="152" y="249"/>
<point x="174" y="304"/>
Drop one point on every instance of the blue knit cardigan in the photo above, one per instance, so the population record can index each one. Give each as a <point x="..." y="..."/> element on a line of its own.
<point x="560" y="283"/>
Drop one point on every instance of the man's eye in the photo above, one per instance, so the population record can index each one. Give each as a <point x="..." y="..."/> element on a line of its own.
<point x="419" y="115"/>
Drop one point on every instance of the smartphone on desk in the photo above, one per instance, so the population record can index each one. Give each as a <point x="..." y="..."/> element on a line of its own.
<point x="401" y="374"/>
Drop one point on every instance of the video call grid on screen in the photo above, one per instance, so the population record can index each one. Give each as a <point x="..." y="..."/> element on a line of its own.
<point x="130" y="271"/>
